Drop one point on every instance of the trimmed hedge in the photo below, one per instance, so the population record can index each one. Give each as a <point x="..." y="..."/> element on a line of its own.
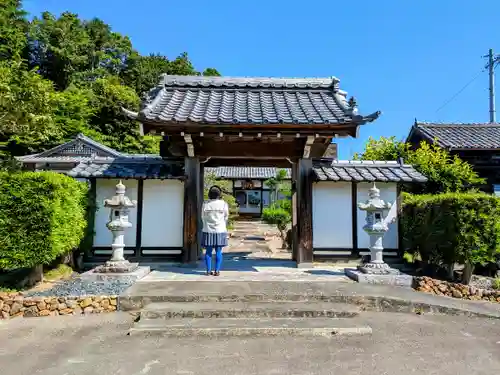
<point x="42" y="217"/>
<point x="451" y="228"/>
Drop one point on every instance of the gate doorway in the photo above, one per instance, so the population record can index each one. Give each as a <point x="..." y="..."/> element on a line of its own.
<point x="266" y="122"/>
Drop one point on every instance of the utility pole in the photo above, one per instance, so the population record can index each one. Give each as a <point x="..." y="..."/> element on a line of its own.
<point x="492" y="61"/>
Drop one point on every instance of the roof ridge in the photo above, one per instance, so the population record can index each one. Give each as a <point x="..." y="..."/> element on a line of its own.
<point x="456" y="124"/>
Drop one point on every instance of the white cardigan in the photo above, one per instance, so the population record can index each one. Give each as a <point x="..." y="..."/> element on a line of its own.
<point x="215" y="213"/>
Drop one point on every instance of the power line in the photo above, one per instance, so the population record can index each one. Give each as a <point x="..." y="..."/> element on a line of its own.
<point x="460" y="91"/>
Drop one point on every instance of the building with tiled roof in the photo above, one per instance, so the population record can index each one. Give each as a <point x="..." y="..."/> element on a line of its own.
<point x="476" y="143"/>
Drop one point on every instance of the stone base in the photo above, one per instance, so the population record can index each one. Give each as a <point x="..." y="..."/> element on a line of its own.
<point x="305" y="265"/>
<point x="395" y="277"/>
<point x="123" y="266"/>
<point x="377" y="269"/>
<point x="95" y="275"/>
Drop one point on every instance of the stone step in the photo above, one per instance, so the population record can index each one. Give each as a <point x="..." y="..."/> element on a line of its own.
<point x="248" y="310"/>
<point x="326" y="327"/>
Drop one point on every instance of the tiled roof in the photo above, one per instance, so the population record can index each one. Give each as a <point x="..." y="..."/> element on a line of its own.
<point x="460" y="136"/>
<point x="129" y="167"/>
<point x="247" y="172"/>
<point x="366" y="171"/>
<point x="81" y="148"/>
<point x="231" y="100"/>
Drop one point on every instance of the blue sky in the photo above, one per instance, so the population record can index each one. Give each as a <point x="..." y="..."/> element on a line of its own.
<point x="405" y="58"/>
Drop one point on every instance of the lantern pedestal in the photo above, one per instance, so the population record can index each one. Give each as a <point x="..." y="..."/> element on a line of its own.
<point x="376" y="271"/>
<point x="118" y="267"/>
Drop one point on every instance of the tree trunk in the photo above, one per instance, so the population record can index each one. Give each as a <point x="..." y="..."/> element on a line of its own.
<point x="467" y="273"/>
<point x="283" y="239"/>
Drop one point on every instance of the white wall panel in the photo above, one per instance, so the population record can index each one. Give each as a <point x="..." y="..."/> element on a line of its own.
<point x="163" y="213"/>
<point x="332" y="215"/>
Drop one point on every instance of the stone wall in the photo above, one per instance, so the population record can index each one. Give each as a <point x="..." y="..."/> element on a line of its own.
<point x="17" y="305"/>
<point x="444" y="288"/>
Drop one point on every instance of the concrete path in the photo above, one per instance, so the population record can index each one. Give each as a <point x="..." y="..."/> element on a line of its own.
<point x="238" y="267"/>
<point x="256" y="239"/>
<point x="400" y="344"/>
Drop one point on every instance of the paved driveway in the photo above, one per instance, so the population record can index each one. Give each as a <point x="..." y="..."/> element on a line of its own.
<point x="401" y="344"/>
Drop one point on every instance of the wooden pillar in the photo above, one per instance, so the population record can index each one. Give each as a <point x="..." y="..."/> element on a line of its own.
<point x="191" y="247"/>
<point x="140" y="206"/>
<point x="295" y="234"/>
<point x="304" y="215"/>
<point x="201" y="192"/>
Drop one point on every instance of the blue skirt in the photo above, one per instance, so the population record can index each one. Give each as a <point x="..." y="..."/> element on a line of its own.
<point x="214" y="239"/>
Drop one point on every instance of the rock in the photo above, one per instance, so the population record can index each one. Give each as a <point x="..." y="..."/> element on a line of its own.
<point x="113" y="301"/>
<point x="41" y="305"/>
<point x="105" y="303"/>
<point x="29" y="302"/>
<point x="66" y="312"/>
<point x="456" y="293"/>
<point x="86" y="302"/>
<point x="61" y="306"/>
<point x="61" y="300"/>
<point x="44" y="313"/>
<point x="77" y="310"/>
<point x="71" y="304"/>
<point x="54" y="313"/>
<point x="15" y="308"/>
<point x="1" y="305"/>
<point x="5" y="315"/>
<point x="88" y="310"/>
<point x="53" y="306"/>
<point x="443" y="288"/>
<point x="31" y="311"/>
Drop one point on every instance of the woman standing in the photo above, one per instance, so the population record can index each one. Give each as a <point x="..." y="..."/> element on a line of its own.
<point x="215" y="213"/>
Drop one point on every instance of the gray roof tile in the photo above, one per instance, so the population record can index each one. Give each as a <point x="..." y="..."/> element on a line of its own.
<point x="230" y="100"/>
<point x="366" y="171"/>
<point x="247" y="172"/>
<point x="128" y="167"/>
<point x="460" y="136"/>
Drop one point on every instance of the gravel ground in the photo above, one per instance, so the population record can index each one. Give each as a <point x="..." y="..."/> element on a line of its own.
<point x="78" y="287"/>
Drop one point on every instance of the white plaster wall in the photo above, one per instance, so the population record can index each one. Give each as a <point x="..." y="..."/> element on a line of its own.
<point x="105" y="189"/>
<point x="162" y="215"/>
<point x="332" y="215"/>
<point x="388" y="192"/>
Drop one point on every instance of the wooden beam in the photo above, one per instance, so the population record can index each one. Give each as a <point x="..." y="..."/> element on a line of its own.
<point x="304" y="215"/>
<point x="191" y="246"/>
<point x="189" y="145"/>
<point x="307" y="147"/>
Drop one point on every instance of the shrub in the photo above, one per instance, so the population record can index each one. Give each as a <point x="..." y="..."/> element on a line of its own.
<point x="450" y="228"/>
<point x="280" y="217"/>
<point x="42" y="217"/>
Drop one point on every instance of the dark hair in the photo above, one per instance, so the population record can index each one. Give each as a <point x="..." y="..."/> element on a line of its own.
<point x="214" y="192"/>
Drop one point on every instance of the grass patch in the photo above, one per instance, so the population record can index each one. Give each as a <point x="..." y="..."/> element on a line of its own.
<point x="62" y="271"/>
<point x="496" y="284"/>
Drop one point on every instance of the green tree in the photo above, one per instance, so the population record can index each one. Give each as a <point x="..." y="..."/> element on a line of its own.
<point x="446" y="173"/>
<point x="276" y="184"/>
<point x="13" y="26"/>
<point x="65" y="49"/>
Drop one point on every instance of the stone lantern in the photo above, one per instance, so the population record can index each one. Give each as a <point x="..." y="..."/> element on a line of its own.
<point x="376" y="226"/>
<point x="119" y="206"/>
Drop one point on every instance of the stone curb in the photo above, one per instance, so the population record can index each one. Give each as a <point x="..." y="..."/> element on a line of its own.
<point x="13" y="305"/>
<point x="365" y="303"/>
<point x="252" y="332"/>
